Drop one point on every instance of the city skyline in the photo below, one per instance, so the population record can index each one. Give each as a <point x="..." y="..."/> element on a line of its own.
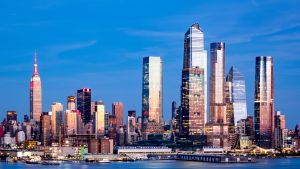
<point x="64" y="71"/>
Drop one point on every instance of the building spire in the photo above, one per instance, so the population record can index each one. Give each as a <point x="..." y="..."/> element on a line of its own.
<point x="35" y="71"/>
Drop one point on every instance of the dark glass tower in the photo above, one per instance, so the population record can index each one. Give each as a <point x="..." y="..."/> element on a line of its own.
<point x="264" y="102"/>
<point x="84" y="104"/>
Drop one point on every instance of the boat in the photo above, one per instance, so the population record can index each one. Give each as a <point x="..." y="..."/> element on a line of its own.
<point x="50" y="162"/>
<point x="104" y="160"/>
<point x="34" y="160"/>
<point x="11" y="160"/>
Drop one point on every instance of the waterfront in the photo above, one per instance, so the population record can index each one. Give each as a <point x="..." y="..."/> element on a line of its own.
<point x="279" y="163"/>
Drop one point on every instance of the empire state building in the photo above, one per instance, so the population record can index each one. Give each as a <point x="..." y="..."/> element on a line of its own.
<point x="35" y="93"/>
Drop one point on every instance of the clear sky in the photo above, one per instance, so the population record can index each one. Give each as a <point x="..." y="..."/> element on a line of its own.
<point x="100" y="44"/>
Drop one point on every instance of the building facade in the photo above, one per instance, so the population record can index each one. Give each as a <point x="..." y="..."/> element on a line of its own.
<point x="84" y="104"/>
<point x="56" y="119"/>
<point x="152" y="91"/>
<point x="118" y="111"/>
<point x="193" y="113"/>
<point x="35" y="93"/>
<point x="264" y="102"/>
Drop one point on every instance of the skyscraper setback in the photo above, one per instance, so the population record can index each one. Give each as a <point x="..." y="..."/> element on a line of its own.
<point x="35" y="93"/>
<point x="152" y="91"/>
<point x="193" y="86"/>
<point x="264" y="102"/>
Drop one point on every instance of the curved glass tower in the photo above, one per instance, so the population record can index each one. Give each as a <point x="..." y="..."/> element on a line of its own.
<point x="264" y="102"/>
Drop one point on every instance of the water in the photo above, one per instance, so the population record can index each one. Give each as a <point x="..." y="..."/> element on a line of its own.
<point x="284" y="163"/>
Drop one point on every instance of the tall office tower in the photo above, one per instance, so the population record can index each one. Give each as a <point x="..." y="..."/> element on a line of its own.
<point x="264" y="102"/>
<point x="35" y="93"/>
<point x="84" y="104"/>
<point x="131" y="126"/>
<point x="219" y="132"/>
<point x="174" y="108"/>
<point x="56" y="119"/>
<point x="193" y="85"/>
<point x="71" y="103"/>
<point x="152" y="92"/>
<point x="237" y="94"/>
<point x="99" y="118"/>
<point x="280" y="130"/>
<point x="117" y="110"/>
<point x="217" y="83"/>
<point x="70" y="125"/>
<point x="45" y="129"/>
<point x="11" y="116"/>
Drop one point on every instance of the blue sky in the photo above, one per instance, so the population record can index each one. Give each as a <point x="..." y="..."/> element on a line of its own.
<point x="100" y="44"/>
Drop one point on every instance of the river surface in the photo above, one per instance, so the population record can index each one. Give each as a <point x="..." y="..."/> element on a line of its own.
<point x="283" y="163"/>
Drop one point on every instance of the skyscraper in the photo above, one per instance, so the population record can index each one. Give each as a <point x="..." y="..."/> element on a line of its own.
<point x="194" y="84"/>
<point x="56" y="119"/>
<point x="99" y="118"/>
<point x="35" y="93"/>
<point x="264" y="102"/>
<point x="280" y="132"/>
<point x="152" y="91"/>
<point x="217" y="83"/>
<point x="84" y="104"/>
<point x="45" y="129"/>
<point x="71" y="103"/>
<point x="218" y="129"/>
<point x="131" y="126"/>
<point x="237" y="94"/>
<point x="70" y="122"/>
<point x="117" y="110"/>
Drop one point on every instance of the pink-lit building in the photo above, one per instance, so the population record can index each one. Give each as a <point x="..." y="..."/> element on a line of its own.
<point x="35" y="93"/>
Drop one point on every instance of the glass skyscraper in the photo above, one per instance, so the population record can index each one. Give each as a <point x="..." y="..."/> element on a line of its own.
<point x="193" y="87"/>
<point x="152" y="91"/>
<point x="264" y="102"/>
<point x="237" y="94"/>
<point x="84" y="104"/>
<point x="217" y="83"/>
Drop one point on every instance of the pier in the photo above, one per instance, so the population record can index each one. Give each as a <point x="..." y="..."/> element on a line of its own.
<point x="203" y="158"/>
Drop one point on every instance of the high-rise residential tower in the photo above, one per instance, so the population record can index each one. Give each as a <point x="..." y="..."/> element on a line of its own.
<point x="35" y="93"/>
<point x="194" y="84"/>
<point x="237" y="94"/>
<point x="217" y="83"/>
<point x="84" y="104"/>
<point x="264" y="102"/>
<point x="117" y="111"/>
<point x="152" y="91"/>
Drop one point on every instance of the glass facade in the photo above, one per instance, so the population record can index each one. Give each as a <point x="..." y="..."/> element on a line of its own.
<point x="152" y="90"/>
<point x="100" y="118"/>
<point x="217" y="83"/>
<point x="35" y="94"/>
<point x="264" y="102"/>
<point x="237" y="94"/>
<point x="84" y="104"/>
<point x="195" y="56"/>
<point x="193" y="85"/>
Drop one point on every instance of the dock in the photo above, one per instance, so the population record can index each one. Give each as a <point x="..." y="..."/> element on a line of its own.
<point x="203" y="158"/>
